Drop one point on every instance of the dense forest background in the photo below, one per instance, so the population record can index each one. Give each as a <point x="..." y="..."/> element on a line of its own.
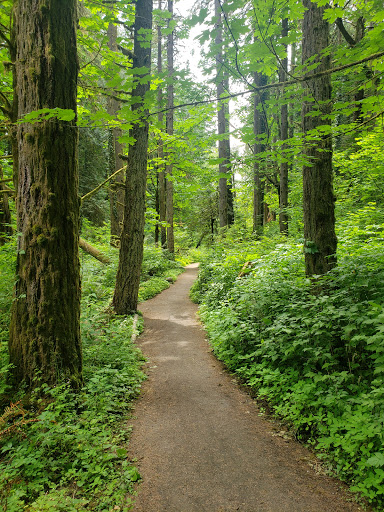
<point x="266" y="166"/>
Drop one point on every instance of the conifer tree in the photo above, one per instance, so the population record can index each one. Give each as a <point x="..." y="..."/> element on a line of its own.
<point x="132" y="236"/>
<point x="170" y="130"/>
<point x="318" y="195"/>
<point x="44" y="330"/>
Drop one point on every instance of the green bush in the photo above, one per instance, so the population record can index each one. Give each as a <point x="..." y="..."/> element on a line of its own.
<point x="69" y="451"/>
<point x="317" y="359"/>
<point x="66" y="451"/>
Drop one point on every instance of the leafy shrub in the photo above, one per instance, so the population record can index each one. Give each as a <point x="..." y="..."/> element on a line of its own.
<point x="67" y="451"/>
<point x="157" y="262"/>
<point x="316" y="358"/>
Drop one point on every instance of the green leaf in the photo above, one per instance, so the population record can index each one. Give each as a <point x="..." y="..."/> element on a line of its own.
<point x="376" y="461"/>
<point x="120" y="452"/>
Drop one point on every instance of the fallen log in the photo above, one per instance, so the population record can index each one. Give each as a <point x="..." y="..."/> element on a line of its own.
<point x="88" y="248"/>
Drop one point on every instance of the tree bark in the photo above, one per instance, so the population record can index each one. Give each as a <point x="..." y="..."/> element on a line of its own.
<point x="226" y="211"/>
<point x="45" y="330"/>
<point x="169" y="122"/>
<point x="160" y="118"/>
<point x="132" y="237"/>
<point x="318" y="196"/>
<point x="283" y="190"/>
<point x="115" y="148"/>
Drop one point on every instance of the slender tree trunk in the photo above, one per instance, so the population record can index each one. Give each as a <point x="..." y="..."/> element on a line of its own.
<point x="318" y="196"/>
<point x="291" y="122"/>
<point x="360" y="94"/>
<point x="169" y="120"/>
<point x="116" y="193"/>
<point x="44" y="330"/>
<point x="160" y="118"/>
<point x="157" y="207"/>
<point x="227" y="153"/>
<point x="283" y="192"/>
<point x="259" y="130"/>
<point x="132" y="237"/>
<point x="226" y="211"/>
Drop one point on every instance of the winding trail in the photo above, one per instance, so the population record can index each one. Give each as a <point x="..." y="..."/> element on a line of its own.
<point x="200" y="442"/>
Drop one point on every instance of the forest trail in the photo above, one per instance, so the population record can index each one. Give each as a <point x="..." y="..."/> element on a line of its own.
<point x="200" y="442"/>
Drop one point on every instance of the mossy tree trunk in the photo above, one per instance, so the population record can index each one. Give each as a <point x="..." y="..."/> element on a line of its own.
<point x="44" y="330"/>
<point x="132" y="237"/>
<point x="318" y="196"/>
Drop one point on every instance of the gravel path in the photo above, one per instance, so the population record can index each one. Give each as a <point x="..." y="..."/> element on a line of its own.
<point x="200" y="442"/>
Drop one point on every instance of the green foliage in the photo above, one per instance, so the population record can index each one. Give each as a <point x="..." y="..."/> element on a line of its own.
<point x="359" y="173"/>
<point x="7" y="278"/>
<point x="62" y="451"/>
<point x="68" y="452"/>
<point x="317" y="359"/>
<point x="157" y="262"/>
<point x="93" y="162"/>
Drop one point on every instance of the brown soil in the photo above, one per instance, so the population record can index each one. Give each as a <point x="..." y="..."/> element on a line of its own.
<point x="199" y="439"/>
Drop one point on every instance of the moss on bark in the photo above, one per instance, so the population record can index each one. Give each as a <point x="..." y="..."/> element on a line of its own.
<point x="44" y="330"/>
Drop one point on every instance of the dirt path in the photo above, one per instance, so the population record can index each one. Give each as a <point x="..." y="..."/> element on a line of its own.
<point x="199" y="440"/>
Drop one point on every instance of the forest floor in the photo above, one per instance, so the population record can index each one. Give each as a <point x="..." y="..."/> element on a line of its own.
<point x="200" y="440"/>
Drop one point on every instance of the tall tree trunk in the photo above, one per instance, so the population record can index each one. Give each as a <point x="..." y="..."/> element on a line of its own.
<point x="283" y="191"/>
<point x="132" y="237"/>
<point x="160" y="152"/>
<point x="14" y="110"/>
<point x="226" y="211"/>
<point x="116" y="193"/>
<point x="44" y="331"/>
<point x="169" y="120"/>
<point x="318" y="196"/>
<point x="259" y="130"/>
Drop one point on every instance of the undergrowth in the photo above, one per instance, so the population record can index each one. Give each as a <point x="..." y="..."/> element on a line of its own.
<point x="61" y="451"/>
<point x="317" y="359"/>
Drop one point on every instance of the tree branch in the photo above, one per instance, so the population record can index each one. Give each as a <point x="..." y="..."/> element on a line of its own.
<point x="92" y="192"/>
<point x="276" y="84"/>
<point x="347" y="36"/>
